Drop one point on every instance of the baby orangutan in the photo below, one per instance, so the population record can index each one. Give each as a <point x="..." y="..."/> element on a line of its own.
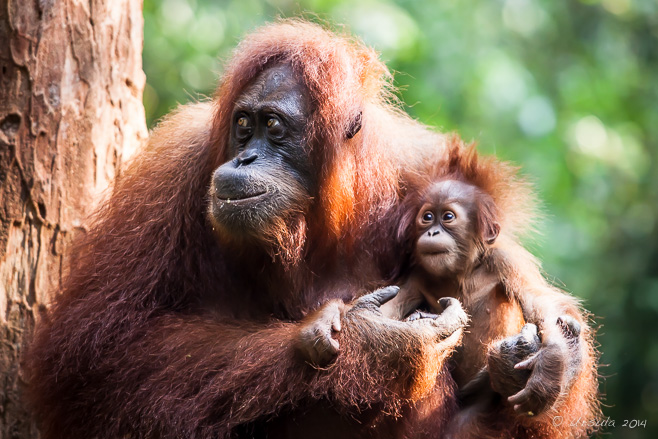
<point x="455" y="228"/>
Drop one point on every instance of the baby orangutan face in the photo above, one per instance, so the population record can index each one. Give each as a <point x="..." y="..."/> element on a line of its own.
<point x="452" y="226"/>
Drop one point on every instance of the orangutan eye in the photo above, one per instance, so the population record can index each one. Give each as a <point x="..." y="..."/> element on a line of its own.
<point x="243" y="122"/>
<point x="428" y="217"/>
<point x="448" y="216"/>
<point x="275" y="128"/>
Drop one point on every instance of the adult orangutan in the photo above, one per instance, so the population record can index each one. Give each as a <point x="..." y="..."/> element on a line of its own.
<point x="244" y="223"/>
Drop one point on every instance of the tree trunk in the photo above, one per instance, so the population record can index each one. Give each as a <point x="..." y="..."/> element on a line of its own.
<point x="71" y="112"/>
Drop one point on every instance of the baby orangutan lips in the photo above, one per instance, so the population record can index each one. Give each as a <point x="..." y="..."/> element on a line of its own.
<point x="431" y="248"/>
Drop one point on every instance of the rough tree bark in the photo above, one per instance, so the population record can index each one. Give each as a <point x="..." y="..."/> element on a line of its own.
<point x="71" y="112"/>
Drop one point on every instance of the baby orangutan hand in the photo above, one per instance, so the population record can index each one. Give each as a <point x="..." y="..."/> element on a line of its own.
<point x="506" y="354"/>
<point x="547" y="377"/>
<point x="544" y="367"/>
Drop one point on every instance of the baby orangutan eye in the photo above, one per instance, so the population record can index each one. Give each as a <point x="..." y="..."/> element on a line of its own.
<point x="448" y="216"/>
<point x="428" y="217"/>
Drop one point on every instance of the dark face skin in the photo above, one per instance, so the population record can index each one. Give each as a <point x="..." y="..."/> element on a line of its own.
<point x="270" y="173"/>
<point x="445" y="227"/>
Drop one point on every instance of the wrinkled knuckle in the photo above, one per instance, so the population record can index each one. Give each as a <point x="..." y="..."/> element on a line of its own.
<point x="360" y="305"/>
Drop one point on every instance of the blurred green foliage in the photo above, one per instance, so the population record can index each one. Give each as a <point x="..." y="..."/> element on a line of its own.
<point x="566" y="89"/>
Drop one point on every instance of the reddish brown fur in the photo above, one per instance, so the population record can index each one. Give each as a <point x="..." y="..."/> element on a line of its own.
<point x="502" y="294"/>
<point x="493" y="316"/>
<point x="161" y="331"/>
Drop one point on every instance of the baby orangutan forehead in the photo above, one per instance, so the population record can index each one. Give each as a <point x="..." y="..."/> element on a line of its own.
<point x="451" y="190"/>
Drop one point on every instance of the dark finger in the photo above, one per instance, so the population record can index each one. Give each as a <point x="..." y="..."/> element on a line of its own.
<point x="446" y="302"/>
<point x="570" y="326"/>
<point x="528" y="363"/>
<point x="427" y="315"/>
<point x="524" y="409"/>
<point x="378" y="297"/>
<point x="413" y="316"/>
<point x="520" y="397"/>
<point x="445" y="327"/>
<point x="453" y="313"/>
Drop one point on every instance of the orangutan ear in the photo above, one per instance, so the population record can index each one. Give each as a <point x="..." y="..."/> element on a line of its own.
<point x="491" y="233"/>
<point x="488" y="215"/>
<point x="355" y="126"/>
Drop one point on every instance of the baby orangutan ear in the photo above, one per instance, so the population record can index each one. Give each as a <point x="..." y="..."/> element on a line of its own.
<point x="355" y="126"/>
<point x="490" y="233"/>
<point x="487" y="218"/>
